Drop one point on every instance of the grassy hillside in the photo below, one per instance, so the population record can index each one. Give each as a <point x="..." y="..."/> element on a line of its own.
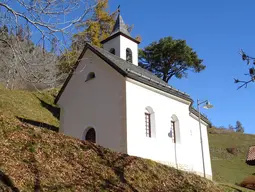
<point x="36" y="158"/>
<point x="32" y="107"/>
<point x="227" y="167"/>
<point x="33" y="158"/>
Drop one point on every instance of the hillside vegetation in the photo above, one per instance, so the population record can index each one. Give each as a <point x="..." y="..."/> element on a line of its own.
<point x="38" y="159"/>
<point x="228" y="167"/>
<point x="35" y="108"/>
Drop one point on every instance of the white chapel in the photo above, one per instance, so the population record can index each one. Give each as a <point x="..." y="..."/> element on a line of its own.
<point x="108" y="99"/>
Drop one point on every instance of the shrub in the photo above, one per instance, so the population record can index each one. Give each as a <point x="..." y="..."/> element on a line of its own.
<point x="248" y="182"/>
<point x="232" y="150"/>
<point x="219" y="130"/>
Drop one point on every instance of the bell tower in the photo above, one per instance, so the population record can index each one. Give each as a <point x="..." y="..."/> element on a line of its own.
<point x="120" y="42"/>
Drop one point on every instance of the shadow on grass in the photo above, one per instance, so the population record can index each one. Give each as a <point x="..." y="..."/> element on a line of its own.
<point x="37" y="181"/>
<point x="118" y="166"/>
<point x="251" y="163"/>
<point x="38" y="124"/>
<point x="55" y="111"/>
<point x="5" y="179"/>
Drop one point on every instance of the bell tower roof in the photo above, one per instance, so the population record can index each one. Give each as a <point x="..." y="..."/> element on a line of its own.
<point x="120" y="28"/>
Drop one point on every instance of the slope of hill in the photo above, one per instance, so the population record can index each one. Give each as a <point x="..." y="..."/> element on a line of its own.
<point x="33" y="158"/>
<point x="32" y="107"/>
<point x="228" y="167"/>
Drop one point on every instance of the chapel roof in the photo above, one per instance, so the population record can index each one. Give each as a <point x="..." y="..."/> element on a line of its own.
<point x="251" y="156"/>
<point x="140" y="74"/>
<point x="134" y="72"/>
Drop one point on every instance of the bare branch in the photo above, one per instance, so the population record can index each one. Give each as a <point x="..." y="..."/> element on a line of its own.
<point x="52" y="24"/>
<point x="244" y="83"/>
<point x="251" y="70"/>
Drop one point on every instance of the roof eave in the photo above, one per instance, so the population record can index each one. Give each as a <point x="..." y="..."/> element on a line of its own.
<point x="117" y="34"/>
<point x="195" y="112"/>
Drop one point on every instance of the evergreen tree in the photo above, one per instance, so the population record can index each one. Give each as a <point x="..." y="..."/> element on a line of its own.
<point x="239" y="127"/>
<point x="168" y="57"/>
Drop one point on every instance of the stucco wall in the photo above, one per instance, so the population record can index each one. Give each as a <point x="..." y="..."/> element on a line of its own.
<point x="126" y="43"/>
<point x="161" y="148"/>
<point x="97" y="103"/>
<point x="120" y="44"/>
<point x="113" y="43"/>
<point x="198" y="167"/>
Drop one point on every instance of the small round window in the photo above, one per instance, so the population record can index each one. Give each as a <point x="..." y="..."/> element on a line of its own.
<point x="112" y="51"/>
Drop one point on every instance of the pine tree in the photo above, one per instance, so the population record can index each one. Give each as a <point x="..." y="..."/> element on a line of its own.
<point x="239" y="127"/>
<point x="169" y="58"/>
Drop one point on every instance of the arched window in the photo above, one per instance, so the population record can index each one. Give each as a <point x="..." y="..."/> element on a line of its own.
<point x="90" y="135"/>
<point x="90" y="76"/>
<point x="129" y="57"/>
<point x="175" y="129"/>
<point x="112" y="51"/>
<point x="149" y="122"/>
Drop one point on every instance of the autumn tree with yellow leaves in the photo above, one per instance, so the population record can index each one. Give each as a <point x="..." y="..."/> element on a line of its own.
<point x="95" y="30"/>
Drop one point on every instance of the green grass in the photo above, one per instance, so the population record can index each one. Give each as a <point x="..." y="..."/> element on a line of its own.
<point x="36" y="157"/>
<point x="229" y="168"/>
<point x="233" y="188"/>
<point x="28" y="105"/>
<point x="32" y="157"/>
<point x="231" y="171"/>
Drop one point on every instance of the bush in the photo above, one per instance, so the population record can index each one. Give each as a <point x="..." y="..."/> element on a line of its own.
<point x="248" y="182"/>
<point x="219" y="130"/>
<point x="232" y="150"/>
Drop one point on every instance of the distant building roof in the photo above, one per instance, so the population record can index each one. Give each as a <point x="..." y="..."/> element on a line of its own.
<point x="251" y="156"/>
<point x="137" y="73"/>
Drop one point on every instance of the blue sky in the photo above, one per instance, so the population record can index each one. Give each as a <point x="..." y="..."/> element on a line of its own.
<point x="217" y="30"/>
